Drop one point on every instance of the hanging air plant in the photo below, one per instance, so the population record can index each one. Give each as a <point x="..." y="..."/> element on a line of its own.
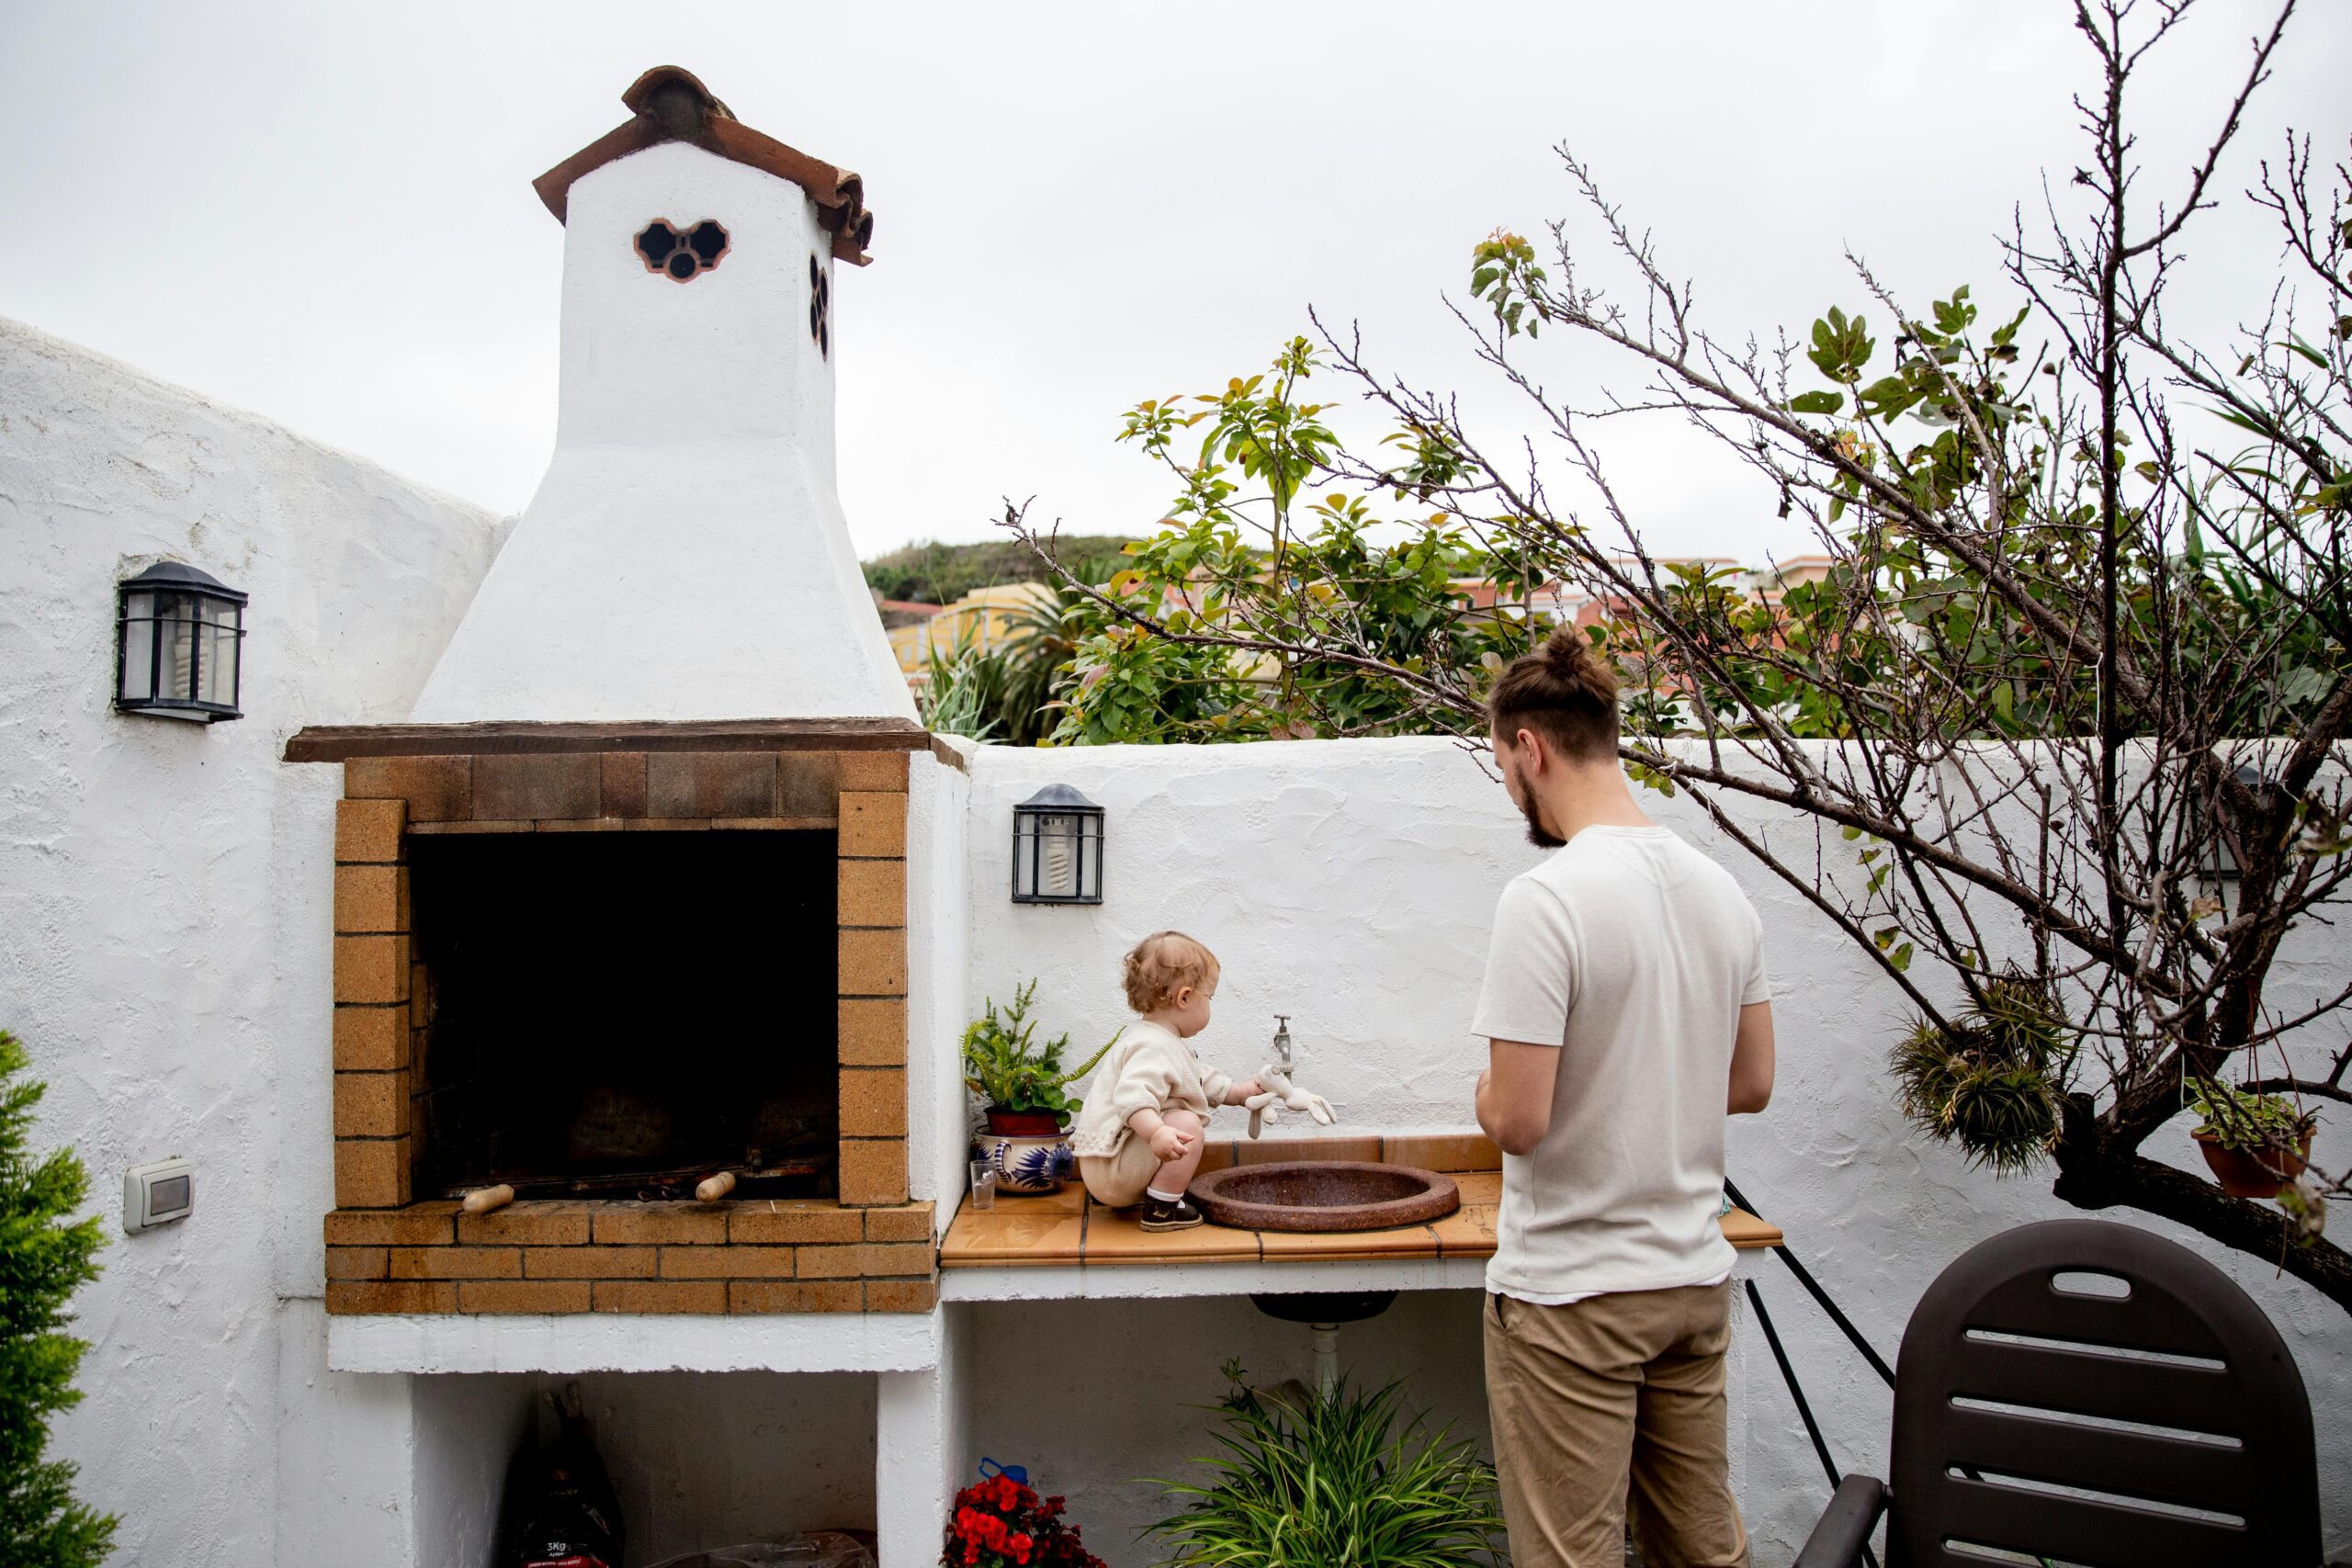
<point x="1985" y="1083"/>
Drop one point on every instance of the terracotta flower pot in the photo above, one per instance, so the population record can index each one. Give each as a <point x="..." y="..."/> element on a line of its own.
<point x="2244" y="1173"/>
<point x="1023" y="1123"/>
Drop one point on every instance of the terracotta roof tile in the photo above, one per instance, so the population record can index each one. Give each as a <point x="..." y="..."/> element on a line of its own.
<point x="671" y="104"/>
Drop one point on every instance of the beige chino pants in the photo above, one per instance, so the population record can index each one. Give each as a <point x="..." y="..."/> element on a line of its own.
<point x="1610" y="1403"/>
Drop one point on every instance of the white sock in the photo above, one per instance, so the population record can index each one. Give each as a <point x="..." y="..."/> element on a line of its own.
<point x="1163" y="1197"/>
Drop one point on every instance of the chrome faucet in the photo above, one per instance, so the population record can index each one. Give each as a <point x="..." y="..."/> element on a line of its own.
<point x="1282" y="1041"/>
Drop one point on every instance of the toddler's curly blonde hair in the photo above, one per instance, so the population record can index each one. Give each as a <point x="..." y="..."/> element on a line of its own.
<point x="1161" y="965"/>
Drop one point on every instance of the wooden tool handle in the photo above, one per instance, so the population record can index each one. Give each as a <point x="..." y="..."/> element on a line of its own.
<point x="711" y="1189"/>
<point x="483" y="1200"/>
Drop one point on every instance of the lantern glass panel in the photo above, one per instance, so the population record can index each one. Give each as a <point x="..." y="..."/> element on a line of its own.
<point x="176" y="626"/>
<point x="1064" y="847"/>
<point x="217" y="652"/>
<point x="138" y="646"/>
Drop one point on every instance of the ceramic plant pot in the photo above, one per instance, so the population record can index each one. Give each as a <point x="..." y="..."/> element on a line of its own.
<point x="1027" y="1163"/>
<point x="2245" y="1174"/>
<point x="1027" y="1149"/>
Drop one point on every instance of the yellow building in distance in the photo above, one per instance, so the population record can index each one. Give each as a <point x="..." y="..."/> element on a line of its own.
<point x="981" y="621"/>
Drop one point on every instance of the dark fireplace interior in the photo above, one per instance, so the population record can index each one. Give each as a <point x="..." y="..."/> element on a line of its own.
<point x="621" y="1014"/>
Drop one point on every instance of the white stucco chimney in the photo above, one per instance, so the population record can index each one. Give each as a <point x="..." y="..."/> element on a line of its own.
<point x="686" y="556"/>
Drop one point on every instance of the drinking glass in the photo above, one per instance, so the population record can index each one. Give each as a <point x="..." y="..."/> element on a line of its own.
<point x="983" y="1185"/>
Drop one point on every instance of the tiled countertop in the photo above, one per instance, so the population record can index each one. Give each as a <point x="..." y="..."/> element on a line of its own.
<point x="1068" y="1228"/>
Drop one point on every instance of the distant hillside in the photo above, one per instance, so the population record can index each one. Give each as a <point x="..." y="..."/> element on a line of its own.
<point x="929" y="573"/>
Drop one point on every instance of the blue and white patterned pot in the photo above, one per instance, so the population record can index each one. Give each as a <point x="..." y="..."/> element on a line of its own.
<point x="1026" y="1163"/>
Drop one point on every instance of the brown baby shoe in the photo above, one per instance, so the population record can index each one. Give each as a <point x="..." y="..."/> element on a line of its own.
<point x="1159" y="1215"/>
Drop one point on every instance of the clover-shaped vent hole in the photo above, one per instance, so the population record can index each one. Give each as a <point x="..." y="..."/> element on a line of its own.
<point x="684" y="254"/>
<point x="820" y="308"/>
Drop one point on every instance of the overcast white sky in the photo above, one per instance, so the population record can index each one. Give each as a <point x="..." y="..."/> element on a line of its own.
<point x="323" y="212"/>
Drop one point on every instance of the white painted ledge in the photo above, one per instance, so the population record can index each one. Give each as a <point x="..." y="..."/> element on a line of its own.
<point x="616" y="1342"/>
<point x="1130" y="1282"/>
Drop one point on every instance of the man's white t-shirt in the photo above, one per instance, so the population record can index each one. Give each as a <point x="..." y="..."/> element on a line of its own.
<point x="1632" y="952"/>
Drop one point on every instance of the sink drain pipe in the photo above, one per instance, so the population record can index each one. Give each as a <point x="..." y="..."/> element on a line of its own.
<point x="1322" y="1312"/>
<point x="1326" y="1357"/>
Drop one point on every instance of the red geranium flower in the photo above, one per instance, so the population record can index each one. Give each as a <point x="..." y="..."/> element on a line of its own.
<point x="999" y="1523"/>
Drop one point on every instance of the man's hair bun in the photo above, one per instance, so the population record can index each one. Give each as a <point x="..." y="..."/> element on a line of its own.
<point x="1568" y="655"/>
<point x="1565" y="692"/>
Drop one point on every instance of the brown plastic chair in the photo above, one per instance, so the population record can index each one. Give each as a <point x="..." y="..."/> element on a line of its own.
<point x="2146" y="1419"/>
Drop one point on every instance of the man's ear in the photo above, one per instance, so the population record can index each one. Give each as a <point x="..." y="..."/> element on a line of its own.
<point x="1527" y="744"/>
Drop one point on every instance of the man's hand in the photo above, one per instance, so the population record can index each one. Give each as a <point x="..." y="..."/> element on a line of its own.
<point x="1515" y="1094"/>
<point x="1170" y="1143"/>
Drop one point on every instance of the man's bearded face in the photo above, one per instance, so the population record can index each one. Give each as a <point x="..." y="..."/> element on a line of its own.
<point x="1522" y="795"/>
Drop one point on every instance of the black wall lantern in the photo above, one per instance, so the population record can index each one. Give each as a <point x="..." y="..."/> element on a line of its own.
<point x="1057" y="848"/>
<point x="176" y="647"/>
<point x="2224" y="866"/>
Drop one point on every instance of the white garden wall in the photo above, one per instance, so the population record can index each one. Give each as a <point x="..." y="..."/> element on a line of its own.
<point x="164" y="926"/>
<point x="704" y="1460"/>
<point x="1350" y="884"/>
<point x="165" y="952"/>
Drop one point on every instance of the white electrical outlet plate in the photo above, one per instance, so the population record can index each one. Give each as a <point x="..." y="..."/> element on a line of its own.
<point x="157" y="1193"/>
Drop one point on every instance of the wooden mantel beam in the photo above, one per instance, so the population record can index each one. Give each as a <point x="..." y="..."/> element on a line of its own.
<point x="340" y="742"/>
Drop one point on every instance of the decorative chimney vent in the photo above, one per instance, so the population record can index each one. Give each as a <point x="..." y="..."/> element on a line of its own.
<point x="820" y="307"/>
<point x="682" y="256"/>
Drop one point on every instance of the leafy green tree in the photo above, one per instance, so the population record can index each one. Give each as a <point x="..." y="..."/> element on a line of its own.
<point x="43" y="1256"/>
<point x="2084" y="634"/>
<point x="929" y="573"/>
<point x="1291" y="615"/>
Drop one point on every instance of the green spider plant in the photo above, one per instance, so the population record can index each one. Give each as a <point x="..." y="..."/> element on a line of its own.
<point x="1334" y="1481"/>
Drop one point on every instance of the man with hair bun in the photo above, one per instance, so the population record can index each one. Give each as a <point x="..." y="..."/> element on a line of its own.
<point x="1627" y="1013"/>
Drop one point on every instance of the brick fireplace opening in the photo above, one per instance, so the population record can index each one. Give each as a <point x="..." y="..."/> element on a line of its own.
<point x="595" y="962"/>
<point x="621" y="1014"/>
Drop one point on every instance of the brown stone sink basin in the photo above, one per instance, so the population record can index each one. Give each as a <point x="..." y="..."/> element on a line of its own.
<point x="1323" y="1195"/>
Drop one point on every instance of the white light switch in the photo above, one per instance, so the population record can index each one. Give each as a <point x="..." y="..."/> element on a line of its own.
<point x="158" y="1193"/>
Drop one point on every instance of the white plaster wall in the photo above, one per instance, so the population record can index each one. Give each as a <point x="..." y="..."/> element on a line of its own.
<point x="711" y="1459"/>
<point x="938" y="893"/>
<point x="686" y="556"/>
<point x="467" y="1431"/>
<point x="1346" y="884"/>
<point x="346" y="1446"/>
<point x="164" y="917"/>
<point x="1350" y="884"/>
<point x="923" y="1417"/>
<point x="1103" y="1399"/>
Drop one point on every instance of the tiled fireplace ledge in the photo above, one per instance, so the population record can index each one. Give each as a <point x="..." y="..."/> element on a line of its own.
<point x="565" y="1256"/>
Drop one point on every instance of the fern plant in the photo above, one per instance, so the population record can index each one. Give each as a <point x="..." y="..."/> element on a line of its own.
<point x="1005" y="1066"/>
<point x="1339" y="1480"/>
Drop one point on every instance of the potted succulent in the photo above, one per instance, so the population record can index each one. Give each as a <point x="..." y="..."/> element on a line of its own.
<point x="1020" y="1085"/>
<point x="2255" y="1142"/>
